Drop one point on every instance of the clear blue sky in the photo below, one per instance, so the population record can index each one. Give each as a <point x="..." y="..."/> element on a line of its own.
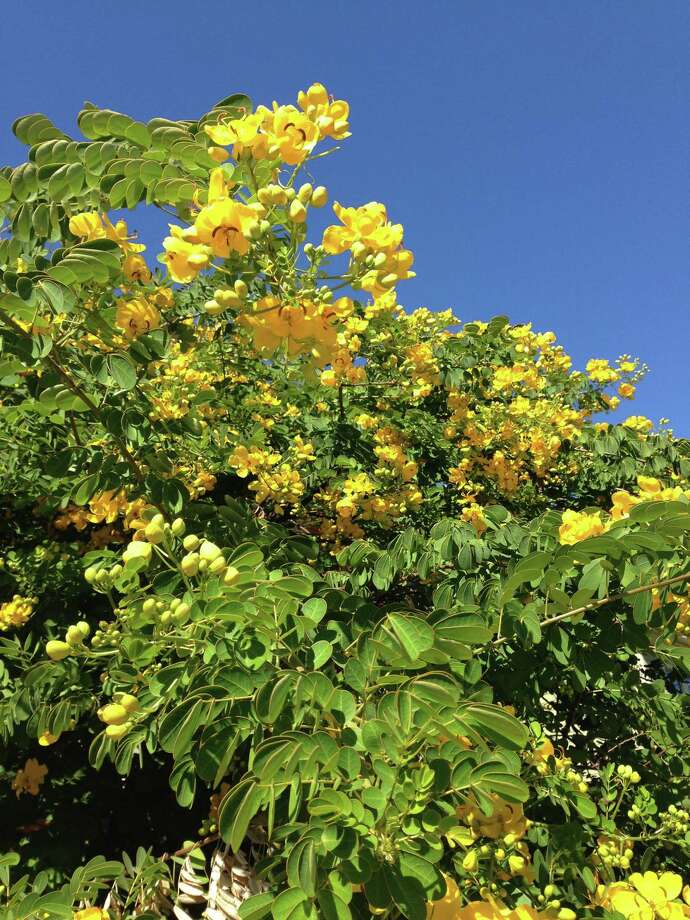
<point x="535" y="150"/>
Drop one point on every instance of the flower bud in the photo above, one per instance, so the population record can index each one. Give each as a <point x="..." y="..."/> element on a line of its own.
<point x="516" y="864"/>
<point x="191" y="542"/>
<point x="118" y="731"/>
<point x="73" y="636"/>
<point x="209" y="551"/>
<point x="190" y="564"/>
<point x="129" y="702"/>
<point x="319" y="196"/>
<point x="181" y="615"/>
<point x="358" y="250"/>
<point x="217" y="565"/>
<point x="380" y="259"/>
<point x="265" y="196"/>
<point x="84" y="628"/>
<point x="305" y="192"/>
<point x="297" y="212"/>
<point x="178" y="527"/>
<point x="241" y="288"/>
<point x="113" y="714"/>
<point x="137" y="549"/>
<point x="471" y="861"/>
<point x="90" y="573"/>
<point x="56" y="650"/>
<point x="154" y="533"/>
<point x="231" y="575"/>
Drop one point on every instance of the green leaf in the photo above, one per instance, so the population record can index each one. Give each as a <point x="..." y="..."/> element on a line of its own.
<point x="301" y="867"/>
<point x="321" y="652"/>
<point x="414" y="635"/>
<point x="585" y="806"/>
<point x="256" y="907"/>
<point x="291" y="904"/>
<point x="494" y="723"/>
<point x="236" y="812"/>
<point x="122" y="370"/>
<point x="332" y="906"/>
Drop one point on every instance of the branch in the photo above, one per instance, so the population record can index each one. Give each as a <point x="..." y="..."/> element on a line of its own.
<point x="594" y="605"/>
<point x="77" y="390"/>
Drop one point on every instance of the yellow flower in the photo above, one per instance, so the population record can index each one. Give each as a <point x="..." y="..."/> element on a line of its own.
<point x="639" y="423"/>
<point x="293" y="134"/>
<point x="506" y="818"/>
<point x="16" y="612"/>
<point x="626" y="390"/>
<point x="600" y="371"/>
<point x="367" y="224"/>
<point x="137" y="317"/>
<point x="87" y="226"/>
<point x="236" y="130"/>
<point x="90" y="225"/>
<point x="648" y="485"/>
<point x="30" y="777"/>
<point x="645" y="896"/>
<point x="222" y="226"/>
<point x="90" y="913"/>
<point x="162" y="297"/>
<point x="474" y="515"/>
<point x="578" y="525"/>
<point x="330" y="115"/>
<point x="622" y="503"/>
<point x="218" y="154"/>
<point x="46" y="739"/>
<point x="184" y="257"/>
<point x="135" y="268"/>
<point x="447" y="907"/>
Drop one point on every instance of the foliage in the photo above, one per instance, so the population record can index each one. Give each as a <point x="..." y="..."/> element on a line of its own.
<point x="368" y="594"/>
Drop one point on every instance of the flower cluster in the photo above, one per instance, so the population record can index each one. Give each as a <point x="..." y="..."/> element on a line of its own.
<point x="646" y="896"/>
<point x="16" y="612"/>
<point x="29" y="778"/>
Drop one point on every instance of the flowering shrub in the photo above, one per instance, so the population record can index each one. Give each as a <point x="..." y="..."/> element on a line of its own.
<point x="314" y="606"/>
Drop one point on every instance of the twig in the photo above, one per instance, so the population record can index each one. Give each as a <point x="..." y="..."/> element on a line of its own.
<point x="593" y="605"/>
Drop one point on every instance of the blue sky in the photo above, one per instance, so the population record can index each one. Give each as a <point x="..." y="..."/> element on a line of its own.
<point x="536" y="152"/>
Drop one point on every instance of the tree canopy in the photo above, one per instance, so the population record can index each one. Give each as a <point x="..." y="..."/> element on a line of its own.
<point x="312" y="606"/>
